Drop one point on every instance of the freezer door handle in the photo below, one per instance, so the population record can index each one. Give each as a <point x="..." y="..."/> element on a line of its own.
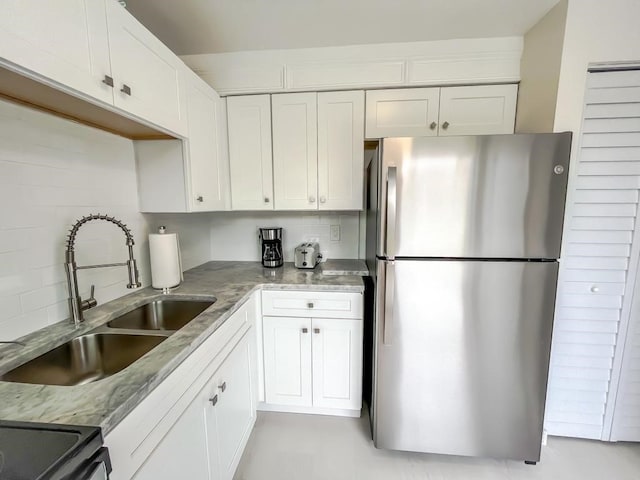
<point x="392" y="204"/>
<point x="389" y="293"/>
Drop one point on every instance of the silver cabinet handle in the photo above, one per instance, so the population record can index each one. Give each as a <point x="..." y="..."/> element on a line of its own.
<point x="214" y="400"/>
<point x="200" y="198"/>
<point x="445" y="125"/>
<point x="594" y="289"/>
<point x="305" y="330"/>
<point x="323" y="199"/>
<point x="312" y="199"/>
<point x="107" y="80"/>
<point x="222" y="387"/>
<point x="310" y="305"/>
<point x="126" y="89"/>
<point x="392" y="193"/>
<point x="389" y="293"/>
<point x="316" y="330"/>
<point x="433" y="125"/>
<point x="266" y="199"/>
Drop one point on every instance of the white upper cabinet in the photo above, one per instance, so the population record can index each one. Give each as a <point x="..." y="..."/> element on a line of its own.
<point x="146" y="74"/>
<point x="97" y="51"/>
<point x="478" y="110"/>
<point x="207" y="148"/>
<point x="190" y="175"/>
<point x="64" y="41"/>
<point x="251" y="170"/>
<point x="406" y="112"/>
<point x="340" y="150"/>
<point x="425" y="112"/>
<point x="318" y="151"/>
<point x="295" y="151"/>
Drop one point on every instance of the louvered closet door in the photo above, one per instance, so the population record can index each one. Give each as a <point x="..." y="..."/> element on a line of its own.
<point x="599" y="262"/>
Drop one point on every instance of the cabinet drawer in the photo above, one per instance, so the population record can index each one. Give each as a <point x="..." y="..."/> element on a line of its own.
<point x="312" y="304"/>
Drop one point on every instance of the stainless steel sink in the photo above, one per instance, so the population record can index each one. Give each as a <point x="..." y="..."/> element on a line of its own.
<point x="161" y="315"/>
<point x="84" y="359"/>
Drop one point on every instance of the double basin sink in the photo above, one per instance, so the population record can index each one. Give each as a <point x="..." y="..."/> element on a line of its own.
<point x="111" y="348"/>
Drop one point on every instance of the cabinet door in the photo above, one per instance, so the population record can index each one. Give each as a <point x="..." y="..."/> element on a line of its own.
<point x="182" y="453"/>
<point x="61" y="40"/>
<point x="147" y="75"/>
<point x="479" y="110"/>
<point x="404" y="112"/>
<point x="340" y="150"/>
<point x="235" y="408"/>
<point x="287" y="360"/>
<point x="295" y="153"/>
<point x="206" y="160"/>
<point x="249" y="124"/>
<point x="337" y="363"/>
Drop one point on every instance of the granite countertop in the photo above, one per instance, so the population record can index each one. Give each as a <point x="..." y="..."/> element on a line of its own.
<point x="106" y="402"/>
<point x="344" y="266"/>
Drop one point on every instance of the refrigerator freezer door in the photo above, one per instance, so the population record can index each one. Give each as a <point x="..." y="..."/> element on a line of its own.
<point x="493" y="196"/>
<point x="462" y="360"/>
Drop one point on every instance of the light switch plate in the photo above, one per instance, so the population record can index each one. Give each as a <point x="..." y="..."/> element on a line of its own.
<point x="335" y="233"/>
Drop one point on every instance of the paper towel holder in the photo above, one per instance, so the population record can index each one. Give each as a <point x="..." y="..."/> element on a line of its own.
<point x="166" y="290"/>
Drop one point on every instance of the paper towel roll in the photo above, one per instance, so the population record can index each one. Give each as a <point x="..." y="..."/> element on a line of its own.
<point x="166" y="262"/>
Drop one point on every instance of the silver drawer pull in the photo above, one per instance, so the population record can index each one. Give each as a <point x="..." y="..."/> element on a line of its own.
<point x="310" y="305"/>
<point x="214" y="400"/>
<point x="126" y="89"/>
<point x="223" y="387"/>
<point x="107" y="80"/>
<point x="316" y="330"/>
<point x="305" y="330"/>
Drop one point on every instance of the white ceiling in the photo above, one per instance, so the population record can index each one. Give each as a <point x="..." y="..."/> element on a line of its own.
<point x="214" y="26"/>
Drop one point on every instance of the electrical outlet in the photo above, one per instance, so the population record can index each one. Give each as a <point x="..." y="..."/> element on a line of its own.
<point x="335" y="233"/>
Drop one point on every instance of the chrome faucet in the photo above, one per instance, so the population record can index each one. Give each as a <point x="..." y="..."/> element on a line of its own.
<point x="76" y="304"/>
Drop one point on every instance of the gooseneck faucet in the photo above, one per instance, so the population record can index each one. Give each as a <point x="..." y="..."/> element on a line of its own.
<point x="76" y="304"/>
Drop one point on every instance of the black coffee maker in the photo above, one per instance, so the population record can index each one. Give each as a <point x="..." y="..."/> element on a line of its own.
<point x="271" y="246"/>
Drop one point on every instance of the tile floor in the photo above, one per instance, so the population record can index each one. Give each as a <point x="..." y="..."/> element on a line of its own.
<point x="308" y="447"/>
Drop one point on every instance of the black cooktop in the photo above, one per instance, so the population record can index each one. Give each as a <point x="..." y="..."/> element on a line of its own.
<point x="35" y="451"/>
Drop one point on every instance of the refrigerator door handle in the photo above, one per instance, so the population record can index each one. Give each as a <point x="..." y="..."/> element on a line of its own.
<point x="392" y="205"/>
<point x="389" y="294"/>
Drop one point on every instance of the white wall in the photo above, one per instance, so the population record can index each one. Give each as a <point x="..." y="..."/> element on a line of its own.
<point x="596" y="31"/>
<point x="540" y="72"/>
<point x="234" y="236"/>
<point x="53" y="172"/>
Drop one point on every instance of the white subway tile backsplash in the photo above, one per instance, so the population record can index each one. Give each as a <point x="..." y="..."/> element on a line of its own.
<point x="234" y="235"/>
<point x="42" y="297"/>
<point x="9" y="307"/>
<point x="53" y="172"/>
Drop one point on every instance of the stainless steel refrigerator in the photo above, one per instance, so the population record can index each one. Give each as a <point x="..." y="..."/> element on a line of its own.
<point x="464" y="234"/>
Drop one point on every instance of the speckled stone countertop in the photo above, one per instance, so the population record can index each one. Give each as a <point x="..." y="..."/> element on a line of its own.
<point x="344" y="266"/>
<point x="106" y="402"/>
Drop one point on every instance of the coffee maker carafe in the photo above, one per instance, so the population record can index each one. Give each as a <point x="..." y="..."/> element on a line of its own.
<point x="271" y="247"/>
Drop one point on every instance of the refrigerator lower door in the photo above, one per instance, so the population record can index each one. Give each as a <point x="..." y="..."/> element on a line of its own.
<point x="462" y="356"/>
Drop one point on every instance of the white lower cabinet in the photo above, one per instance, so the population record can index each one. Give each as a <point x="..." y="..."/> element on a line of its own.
<point x="313" y="365"/>
<point x="196" y="423"/>
<point x="337" y="363"/>
<point x="232" y="417"/>
<point x="287" y="360"/>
